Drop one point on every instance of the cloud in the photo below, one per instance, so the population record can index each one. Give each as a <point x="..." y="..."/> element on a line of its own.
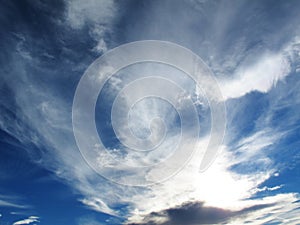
<point x="265" y="188"/>
<point x="220" y="189"/>
<point x="188" y="213"/>
<point x="250" y="154"/>
<point x="196" y="213"/>
<point x="99" y="15"/>
<point x="264" y="73"/>
<point x="29" y="220"/>
<point x="261" y="76"/>
<point x="12" y="202"/>
<point x="220" y="186"/>
<point x="4" y="203"/>
<point x="283" y="208"/>
<point x="98" y="204"/>
<point x="91" y="11"/>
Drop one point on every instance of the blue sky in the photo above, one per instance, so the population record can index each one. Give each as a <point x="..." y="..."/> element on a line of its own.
<point x="251" y="47"/>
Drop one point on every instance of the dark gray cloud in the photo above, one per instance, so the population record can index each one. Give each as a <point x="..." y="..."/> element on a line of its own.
<point x="196" y="213"/>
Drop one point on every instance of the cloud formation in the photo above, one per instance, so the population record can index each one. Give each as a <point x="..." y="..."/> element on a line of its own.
<point x="12" y="202"/>
<point x="29" y="220"/>
<point x="261" y="76"/>
<point x="244" y="65"/>
<point x="220" y="186"/>
<point x="97" y="15"/>
<point x="196" y="213"/>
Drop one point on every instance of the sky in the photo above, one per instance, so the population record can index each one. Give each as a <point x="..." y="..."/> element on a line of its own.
<point x="156" y="124"/>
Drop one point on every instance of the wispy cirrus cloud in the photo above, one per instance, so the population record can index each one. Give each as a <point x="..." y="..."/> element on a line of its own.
<point x="12" y="202"/>
<point x="4" y="203"/>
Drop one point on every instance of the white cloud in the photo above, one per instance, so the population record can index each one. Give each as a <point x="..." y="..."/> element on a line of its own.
<point x="282" y="211"/>
<point x="99" y="13"/>
<point x="265" y="188"/>
<point x="4" y="203"/>
<point x="251" y="147"/>
<point x="219" y="186"/>
<point x="98" y="34"/>
<point x="11" y="201"/>
<point x="260" y="76"/>
<point x="29" y="220"/>
<point x="50" y="119"/>
<point x="95" y="11"/>
<point x="101" y="46"/>
<point x="264" y="72"/>
<point x="98" y="204"/>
